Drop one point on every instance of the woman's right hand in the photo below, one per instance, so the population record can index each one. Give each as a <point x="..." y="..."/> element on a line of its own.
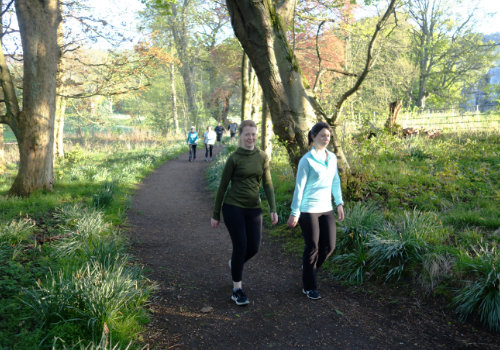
<point x="214" y="223"/>
<point x="292" y="221"/>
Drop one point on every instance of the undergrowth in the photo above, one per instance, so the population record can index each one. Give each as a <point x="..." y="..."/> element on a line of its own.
<point x="66" y="279"/>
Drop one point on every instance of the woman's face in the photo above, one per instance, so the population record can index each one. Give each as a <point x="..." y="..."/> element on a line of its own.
<point x="248" y="137"/>
<point x="322" y="139"/>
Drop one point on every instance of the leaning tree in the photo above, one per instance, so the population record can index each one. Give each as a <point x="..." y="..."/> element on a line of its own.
<point x="260" y="26"/>
<point x="33" y="123"/>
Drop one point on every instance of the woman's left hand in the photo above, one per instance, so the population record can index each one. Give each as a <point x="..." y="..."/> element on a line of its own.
<point x="340" y="212"/>
<point x="274" y="218"/>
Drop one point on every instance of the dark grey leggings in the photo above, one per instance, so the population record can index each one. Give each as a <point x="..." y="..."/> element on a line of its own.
<point x="245" y="228"/>
<point x="208" y="149"/>
<point x="319" y="233"/>
<point x="192" y="151"/>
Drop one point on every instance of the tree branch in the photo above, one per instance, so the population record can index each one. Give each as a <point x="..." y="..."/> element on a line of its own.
<point x="368" y="63"/>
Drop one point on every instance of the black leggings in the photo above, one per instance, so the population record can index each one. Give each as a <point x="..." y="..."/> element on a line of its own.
<point x="192" y="152"/>
<point x="319" y="233"/>
<point x="207" y="149"/>
<point x="245" y="228"/>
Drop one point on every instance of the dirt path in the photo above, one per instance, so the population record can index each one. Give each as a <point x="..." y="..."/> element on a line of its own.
<point x="170" y="220"/>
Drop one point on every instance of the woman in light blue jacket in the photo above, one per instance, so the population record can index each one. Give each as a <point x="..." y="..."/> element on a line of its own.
<point x="192" y="141"/>
<point x="317" y="180"/>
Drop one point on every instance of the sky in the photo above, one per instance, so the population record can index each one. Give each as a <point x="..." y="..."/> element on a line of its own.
<point x="123" y="13"/>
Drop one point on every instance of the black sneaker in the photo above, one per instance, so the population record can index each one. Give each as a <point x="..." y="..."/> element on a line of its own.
<point x="239" y="297"/>
<point x="312" y="294"/>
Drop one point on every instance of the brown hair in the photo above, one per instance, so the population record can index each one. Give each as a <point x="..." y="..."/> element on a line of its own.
<point x="246" y="123"/>
<point x="316" y="130"/>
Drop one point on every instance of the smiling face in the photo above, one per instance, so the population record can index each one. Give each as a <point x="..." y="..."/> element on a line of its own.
<point x="322" y="139"/>
<point x="248" y="137"/>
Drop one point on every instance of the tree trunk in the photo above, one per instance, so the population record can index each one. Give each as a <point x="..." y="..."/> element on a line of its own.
<point x="258" y="25"/>
<point x="256" y="105"/>
<point x="175" y="116"/>
<point x="225" y="107"/>
<point x="180" y="33"/>
<point x="394" y="108"/>
<point x="246" y="88"/>
<point x="38" y="24"/>
<point x="59" y="127"/>
<point x="2" y="151"/>
<point x="293" y="107"/>
<point x="267" y="129"/>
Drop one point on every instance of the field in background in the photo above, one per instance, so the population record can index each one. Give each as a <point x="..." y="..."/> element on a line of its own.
<point x="450" y="120"/>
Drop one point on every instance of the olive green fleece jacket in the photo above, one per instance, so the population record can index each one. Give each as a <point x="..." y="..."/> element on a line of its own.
<point x="245" y="169"/>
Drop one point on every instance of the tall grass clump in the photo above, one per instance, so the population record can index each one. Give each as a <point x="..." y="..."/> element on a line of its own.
<point x="481" y="290"/>
<point x="17" y="230"/>
<point x="89" y="299"/>
<point x="399" y="249"/>
<point x="351" y="261"/>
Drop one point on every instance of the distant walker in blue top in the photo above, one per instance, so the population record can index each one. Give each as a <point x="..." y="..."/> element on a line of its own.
<point x="192" y="141"/>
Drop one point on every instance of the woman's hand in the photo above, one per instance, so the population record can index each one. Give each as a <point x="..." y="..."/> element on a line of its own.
<point x="340" y="212"/>
<point x="214" y="223"/>
<point x="274" y="218"/>
<point x="292" y="221"/>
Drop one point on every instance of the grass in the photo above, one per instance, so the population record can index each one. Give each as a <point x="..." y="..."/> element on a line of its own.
<point x="418" y="211"/>
<point x="66" y="280"/>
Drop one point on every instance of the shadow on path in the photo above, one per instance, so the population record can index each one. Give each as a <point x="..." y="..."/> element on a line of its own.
<point x="172" y="236"/>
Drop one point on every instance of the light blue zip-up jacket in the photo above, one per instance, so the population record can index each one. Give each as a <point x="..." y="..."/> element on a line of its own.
<point x="192" y="138"/>
<point x="315" y="184"/>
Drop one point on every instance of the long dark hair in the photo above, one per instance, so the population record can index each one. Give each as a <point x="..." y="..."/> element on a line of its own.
<point x="316" y="130"/>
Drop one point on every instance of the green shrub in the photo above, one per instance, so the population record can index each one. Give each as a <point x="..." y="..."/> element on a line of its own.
<point x="400" y="248"/>
<point x="361" y="220"/>
<point x="436" y="267"/>
<point x="352" y="266"/>
<point x="17" y="231"/>
<point x="481" y="293"/>
<point x="91" y="297"/>
<point x="104" y="196"/>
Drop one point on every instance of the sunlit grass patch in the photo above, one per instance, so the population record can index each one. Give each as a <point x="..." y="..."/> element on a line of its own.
<point x="77" y="279"/>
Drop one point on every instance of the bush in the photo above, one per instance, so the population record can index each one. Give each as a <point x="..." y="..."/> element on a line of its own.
<point x="16" y="231"/>
<point x="481" y="292"/>
<point x="89" y="298"/>
<point x="399" y="249"/>
<point x="361" y="220"/>
<point x="104" y="196"/>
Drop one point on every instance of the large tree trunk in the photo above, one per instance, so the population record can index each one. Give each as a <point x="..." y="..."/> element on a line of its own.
<point x="34" y="126"/>
<point x="258" y="25"/>
<point x="293" y="107"/>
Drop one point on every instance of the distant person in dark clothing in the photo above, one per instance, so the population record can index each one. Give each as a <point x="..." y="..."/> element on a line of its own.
<point x="233" y="128"/>
<point x="219" y="130"/>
